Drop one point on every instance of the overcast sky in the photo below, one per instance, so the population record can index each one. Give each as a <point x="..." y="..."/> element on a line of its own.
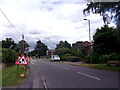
<point x="47" y="20"/>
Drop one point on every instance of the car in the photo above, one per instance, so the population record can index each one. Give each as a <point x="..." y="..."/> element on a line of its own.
<point x="55" y="58"/>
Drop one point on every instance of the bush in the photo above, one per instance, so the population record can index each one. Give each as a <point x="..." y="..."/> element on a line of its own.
<point x="70" y="58"/>
<point x="77" y="53"/>
<point x="0" y="55"/>
<point x="94" y="59"/>
<point x="8" y="56"/>
<point x="113" y="56"/>
<point x="86" y="59"/>
<point x="91" y="59"/>
<point x="103" y="58"/>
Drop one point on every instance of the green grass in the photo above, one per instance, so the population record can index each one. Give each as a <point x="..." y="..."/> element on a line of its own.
<point x="9" y="76"/>
<point x="100" y="67"/>
<point x="0" y="76"/>
<point x="60" y="61"/>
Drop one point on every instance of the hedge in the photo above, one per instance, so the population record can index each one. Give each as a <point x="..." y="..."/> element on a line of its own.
<point x="0" y="55"/>
<point x="8" y="56"/>
<point x="70" y="58"/>
<point x="101" y="59"/>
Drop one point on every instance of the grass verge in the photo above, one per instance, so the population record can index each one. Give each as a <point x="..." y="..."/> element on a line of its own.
<point x="9" y="76"/>
<point x="100" y="67"/>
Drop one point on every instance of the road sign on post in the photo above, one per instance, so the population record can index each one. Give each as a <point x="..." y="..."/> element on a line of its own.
<point x="27" y="59"/>
<point x="21" y="60"/>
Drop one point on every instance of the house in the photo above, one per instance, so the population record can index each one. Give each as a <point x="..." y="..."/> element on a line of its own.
<point x="50" y="52"/>
<point x="86" y="46"/>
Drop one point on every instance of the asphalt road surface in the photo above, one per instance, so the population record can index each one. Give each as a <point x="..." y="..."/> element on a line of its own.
<point x="61" y="75"/>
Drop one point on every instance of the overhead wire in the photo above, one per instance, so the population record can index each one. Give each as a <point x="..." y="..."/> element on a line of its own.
<point x="10" y="21"/>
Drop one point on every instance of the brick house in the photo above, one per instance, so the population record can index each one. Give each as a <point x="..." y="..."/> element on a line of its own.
<point x="86" y="46"/>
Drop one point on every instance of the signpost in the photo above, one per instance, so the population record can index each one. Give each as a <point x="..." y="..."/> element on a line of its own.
<point x="22" y="61"/>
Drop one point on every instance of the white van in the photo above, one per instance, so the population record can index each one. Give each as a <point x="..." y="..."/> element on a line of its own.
<point x="55" y="58"/>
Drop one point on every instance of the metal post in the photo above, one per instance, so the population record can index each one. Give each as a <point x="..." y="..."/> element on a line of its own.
<point x="17" y="70"/>
<point x="89" y="31"/>
<point x="23" y="52"/>
<point x="22" y="44"/>
<point x="89" y="37"/>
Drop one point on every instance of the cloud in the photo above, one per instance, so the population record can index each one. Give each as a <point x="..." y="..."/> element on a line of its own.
<point x="47" y="20"/>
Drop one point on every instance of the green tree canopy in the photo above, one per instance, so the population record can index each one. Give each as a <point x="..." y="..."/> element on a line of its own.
<point x="7" y="43"/>
<point x="23" y="44"/>
<point x="62" y="44"/>
<point x="106" y="41"/>
<point x="103" y="8"/>
<point x="77" y="44"/>
<point x="10" y="43"/>
<point x="40" y="48"/>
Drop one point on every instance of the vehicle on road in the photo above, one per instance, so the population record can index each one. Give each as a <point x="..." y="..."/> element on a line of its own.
<point x="55" y="58"/>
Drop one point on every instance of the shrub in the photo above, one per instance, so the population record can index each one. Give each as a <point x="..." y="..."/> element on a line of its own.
<point x="70" y="58"/>
<point x="8" y="56"/>
<point x="113" y="56"/>
<point x="94" y="59"/>
<point x="91" y="59"/>
<point x="77" y="53"/>
<point x="101" y="58"/>
<point x="86" y="59"/>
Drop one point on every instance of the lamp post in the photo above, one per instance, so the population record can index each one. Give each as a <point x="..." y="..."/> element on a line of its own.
<point x="89" y="38"/>
<point x="89" y="29"/>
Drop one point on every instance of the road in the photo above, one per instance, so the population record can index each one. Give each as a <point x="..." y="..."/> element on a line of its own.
<point x="61" y="75"/>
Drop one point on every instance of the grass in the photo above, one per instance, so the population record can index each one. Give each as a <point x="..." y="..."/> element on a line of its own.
<point x="53" y="61"/>
<point x="9" y="76"/>
<point x="60" y="61"/>
<point x="47" y="60"/>
<point x="100" y="67"/>
<point x="0" y="76"/>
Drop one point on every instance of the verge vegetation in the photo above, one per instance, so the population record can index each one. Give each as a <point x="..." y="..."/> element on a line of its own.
<point x="100" y="67"/>
<point x="9" y="76"/>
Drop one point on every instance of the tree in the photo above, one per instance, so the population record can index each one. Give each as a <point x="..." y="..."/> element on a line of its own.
<point x="40" y="48"/>
<point x="62" y="51"/>
<point x="23" y="44"/>
<point x="77" y="45"/>
<point x="102" y="8"/>
<point x="67" y="45"/>
<point x="7" y="43"/>
<point x="10" y="43"/>
<point x="63" y="45"/>
<point x="106" y="41"/>
<point x="32" y="53"/>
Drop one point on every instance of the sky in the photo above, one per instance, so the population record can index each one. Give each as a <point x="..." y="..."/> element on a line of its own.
<point x="47" y="20"/>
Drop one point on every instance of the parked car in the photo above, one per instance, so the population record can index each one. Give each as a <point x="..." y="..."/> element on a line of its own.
<point x="55" y="58"/>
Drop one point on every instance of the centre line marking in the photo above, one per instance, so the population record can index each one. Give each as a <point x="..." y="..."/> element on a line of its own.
<point x="66" y="68"/>
<point x="89" y="76"/>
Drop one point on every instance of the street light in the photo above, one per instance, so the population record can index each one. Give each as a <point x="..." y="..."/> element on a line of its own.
<point x="89" y="37"/>
<point x="89" y="29"/>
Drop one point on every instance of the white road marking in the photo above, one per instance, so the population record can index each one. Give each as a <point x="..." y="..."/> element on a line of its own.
<point x="66" y="68"/>
<point x="44" y="82"/>
<point x="89" y="76"/>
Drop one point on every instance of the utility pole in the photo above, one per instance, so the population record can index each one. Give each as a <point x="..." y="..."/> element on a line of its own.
<point x="22" y="44"/>
<point x="23" y="53"/>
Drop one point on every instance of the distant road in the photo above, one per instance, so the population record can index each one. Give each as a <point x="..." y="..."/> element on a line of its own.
<point x="61" y="75"/>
